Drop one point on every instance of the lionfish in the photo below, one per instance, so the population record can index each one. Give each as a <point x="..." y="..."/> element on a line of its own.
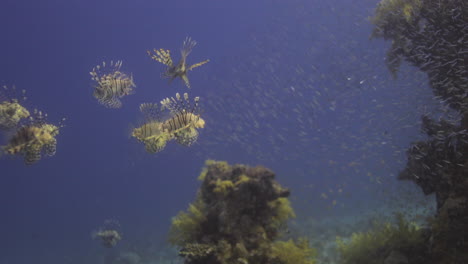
<point x="111" y="84"/>
<point x="33" y="138"/>
<point x="182" y="124"/>
<point x="180" y="69"/>
<point x="110" y="234"/>
<point x="11" y="111"/>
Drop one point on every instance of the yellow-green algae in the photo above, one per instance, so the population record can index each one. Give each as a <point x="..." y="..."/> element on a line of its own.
<point x="431" y="36"/>
<point x="291" y="252"/>
<point x="223" y="187"/>
<point x="375" y="246"/>
<point x="237" y="218"/>
<point x="283" y="209"/>
<point x="186" y="224"/>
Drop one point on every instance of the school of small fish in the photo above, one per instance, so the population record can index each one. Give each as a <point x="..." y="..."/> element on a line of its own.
<point x="303" y="119"/>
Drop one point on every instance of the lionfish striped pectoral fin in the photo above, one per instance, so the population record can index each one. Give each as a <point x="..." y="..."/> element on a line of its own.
<point x="51" y="148"/>
<point x="32" y="154"/>
<point x="187" y="136"/>
<point x="197" y="65"/>
<point x="162" y="56"/>
<point x="111" y="102"/>
<point x="155" y="145"/>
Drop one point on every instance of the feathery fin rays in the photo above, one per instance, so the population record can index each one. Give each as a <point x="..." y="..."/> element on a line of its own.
<point x="33" y="138"/>
<point x="111" y="84"/>
<point x="180" y="69"/>
<point x="181" y="125"/>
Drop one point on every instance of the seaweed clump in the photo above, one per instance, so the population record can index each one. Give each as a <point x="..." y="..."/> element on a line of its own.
<point x="384" y="243"/>
<point x="432" y="35"/>
<point x="237" y="217"/>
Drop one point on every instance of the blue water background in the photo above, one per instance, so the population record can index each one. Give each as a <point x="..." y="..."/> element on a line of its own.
<point x="48" y="210"/>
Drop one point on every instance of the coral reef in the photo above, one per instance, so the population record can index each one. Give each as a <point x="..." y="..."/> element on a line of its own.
<point x="291" y="252"/>
<point x="402" y="240"/>
<point x="433" y="36"/>
<point x="237" y="217"/>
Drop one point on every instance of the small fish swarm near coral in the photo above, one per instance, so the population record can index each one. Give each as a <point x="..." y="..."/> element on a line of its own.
<point x="432" y="35"/>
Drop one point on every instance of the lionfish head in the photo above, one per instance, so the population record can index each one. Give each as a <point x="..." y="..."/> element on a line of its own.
<point x="200" y="123"/>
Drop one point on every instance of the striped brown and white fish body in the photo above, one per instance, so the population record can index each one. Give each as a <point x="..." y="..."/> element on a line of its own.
<point x="185" y="118"/>
<point x="111" y="84"/>
<point x="180" y="69"/>
<point x="181" y="125"/>
<point x="152" y="135"/>
<point x="30" y="141"/>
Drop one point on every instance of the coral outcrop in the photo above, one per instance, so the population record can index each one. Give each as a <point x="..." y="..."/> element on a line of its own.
<point x="399" y="242"/>
<point x="237" y="217"/>
<point x="432" y="35"/>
